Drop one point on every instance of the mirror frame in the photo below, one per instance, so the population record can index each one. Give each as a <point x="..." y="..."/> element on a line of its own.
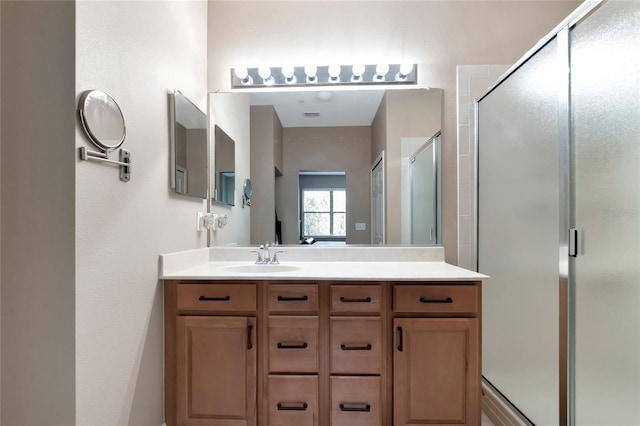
<point x="175" y="167"/>
<point x="109" y="109"/>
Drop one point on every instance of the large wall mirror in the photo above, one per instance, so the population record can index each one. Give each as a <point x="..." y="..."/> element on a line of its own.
<point x="338" y="131"/>
<point x="189" y="150"/>
<point x="344" y="131"/>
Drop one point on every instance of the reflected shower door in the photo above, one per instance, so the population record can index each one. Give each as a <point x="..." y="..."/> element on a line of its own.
<point x="605" y="279"/>
<point x="424" y="195"/>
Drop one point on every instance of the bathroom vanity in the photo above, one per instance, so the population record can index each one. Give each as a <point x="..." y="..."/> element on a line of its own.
<point x="323" y="342"/>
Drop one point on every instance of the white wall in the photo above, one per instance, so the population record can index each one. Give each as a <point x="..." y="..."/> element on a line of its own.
<point x="136" y="51"/>
<point x="38" y="200"/>
<point x="231" y="114"/>
<point x="438" y="35"/>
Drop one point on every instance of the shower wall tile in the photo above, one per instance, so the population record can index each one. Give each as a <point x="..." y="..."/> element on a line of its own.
<point x="473" y="81"/>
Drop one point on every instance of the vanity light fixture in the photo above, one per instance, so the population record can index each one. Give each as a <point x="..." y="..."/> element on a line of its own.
<point x="319" y="75"/>
<point x="243" y="75"/>
<point x="334" y="73"/>
<point x="311" y="71"/>
<point x="381" y="71"/>
<point x="404" y="72"/>
<point x="265" y="74"/>
<point x="357" y="71"/>
<point x="289" y="74"/>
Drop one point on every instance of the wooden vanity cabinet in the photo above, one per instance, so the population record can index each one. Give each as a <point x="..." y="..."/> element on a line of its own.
<point x="436" y="354"/>
<point x="322" y="353"/>
<point x="210" y="354"/>
<point x="293" y="355"/>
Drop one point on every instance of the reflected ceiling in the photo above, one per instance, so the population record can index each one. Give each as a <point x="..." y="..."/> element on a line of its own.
<point x="322" y="108"/>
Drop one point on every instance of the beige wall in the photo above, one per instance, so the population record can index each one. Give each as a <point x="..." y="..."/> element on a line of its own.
<point x="409" y="114"/>
<point x="265" y="130"/>
<point x="0" y="220"/>
<point x="38" y="211"/>
<point x="196" y="140"/>
<point x="328" y="149"/>
<point x="137" y="52"/>
<point x="438" y="35"/>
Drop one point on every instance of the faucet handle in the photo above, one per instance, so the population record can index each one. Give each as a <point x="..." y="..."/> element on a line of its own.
<point x="274" y="259"/>
<point x="259" y="260"/>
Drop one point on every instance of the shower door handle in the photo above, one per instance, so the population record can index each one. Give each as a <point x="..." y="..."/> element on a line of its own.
<point x="573" y="242"/>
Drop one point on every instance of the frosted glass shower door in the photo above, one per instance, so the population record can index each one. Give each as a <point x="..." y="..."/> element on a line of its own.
<point x="423" y="196"/>
<point x="605" y="102"/>
<point x="518" y="235"/>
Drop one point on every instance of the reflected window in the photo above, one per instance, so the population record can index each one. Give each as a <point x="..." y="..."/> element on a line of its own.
<point x="323" y="206"/>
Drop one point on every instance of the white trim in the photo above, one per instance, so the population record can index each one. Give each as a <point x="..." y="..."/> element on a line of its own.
<point x="500" y="411"/>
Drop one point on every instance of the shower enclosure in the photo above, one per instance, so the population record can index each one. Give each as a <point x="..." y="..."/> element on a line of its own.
<point x="558" y="151"/>
<point x="425" y="194"/>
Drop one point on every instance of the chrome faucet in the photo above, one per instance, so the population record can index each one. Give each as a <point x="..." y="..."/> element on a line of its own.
<point x="264" y="256"/>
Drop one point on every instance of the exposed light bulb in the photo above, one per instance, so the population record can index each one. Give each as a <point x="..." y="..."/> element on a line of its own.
<point x="405" y="70"/>
<point x="242" y="73"/>
<point x="311" y="71"/>
<point x="288" y="72"/>
<point x="264" y="72"/>
<point x="381" y="71"/>
<point x="334" y="72"/>
<point x="357" y="70"/>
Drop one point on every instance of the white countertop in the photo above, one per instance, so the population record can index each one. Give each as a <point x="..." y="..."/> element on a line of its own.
<point x="375" y="265"/>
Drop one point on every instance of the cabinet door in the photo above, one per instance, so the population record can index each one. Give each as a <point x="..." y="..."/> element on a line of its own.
<point x="436" y="372"/>
<point x="216" y="371"/>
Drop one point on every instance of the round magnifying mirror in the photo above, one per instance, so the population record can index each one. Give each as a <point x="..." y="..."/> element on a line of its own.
<point x="246" y="188"/>
<point x="102" y="120"/>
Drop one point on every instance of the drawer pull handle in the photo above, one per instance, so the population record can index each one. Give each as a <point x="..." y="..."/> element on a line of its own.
<point x="292" y="299"/>
<point x="346" y="300"/>
<point x="292" y="345"/>
<point x="367" y="347"/>
<point x="355" y="407"/>
<point x="249" y="332"/>
<point x="425" y="300"/>
<point x="292" y="406"/>
<point x="400" y="342"/>
<point x="214" y="299"/>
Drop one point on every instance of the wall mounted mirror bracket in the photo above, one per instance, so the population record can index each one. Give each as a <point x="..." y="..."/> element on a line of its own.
<point x="103" y="122"/>
<point x="124" y="163"/>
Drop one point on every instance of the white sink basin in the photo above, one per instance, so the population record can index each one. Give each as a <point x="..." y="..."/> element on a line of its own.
<point x="259" y="269"/>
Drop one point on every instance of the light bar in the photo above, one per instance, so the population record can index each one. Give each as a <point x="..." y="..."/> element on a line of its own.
<point x="324" y="75"/>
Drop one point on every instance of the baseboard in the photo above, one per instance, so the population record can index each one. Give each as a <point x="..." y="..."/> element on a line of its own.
<point x="499" y="410"/>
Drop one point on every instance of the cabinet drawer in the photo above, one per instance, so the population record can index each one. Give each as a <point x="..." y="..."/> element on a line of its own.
<point x="436" y="298"/>
<point x="293" y="297"/>
<point x="293" y="400"/>
<point x="293" y="344"/>
<point x="355" y="345"/>
<point x="216" y="297"/>
<point x="355" y="401"/>
<point x="355" y="298"/>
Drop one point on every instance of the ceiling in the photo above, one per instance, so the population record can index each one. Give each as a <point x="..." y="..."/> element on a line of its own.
<point x="329" y="108"/>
